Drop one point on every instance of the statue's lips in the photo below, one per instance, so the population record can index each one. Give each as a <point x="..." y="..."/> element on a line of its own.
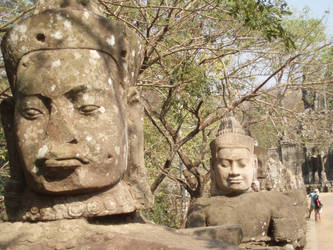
<point x="235" y="180"/>
<point x="68" y="163"/>
<point x="61" y="168"/>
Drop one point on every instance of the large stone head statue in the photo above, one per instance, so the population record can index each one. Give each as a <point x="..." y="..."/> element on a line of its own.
<point x="74" y="124"/>
<point x="233" y="163"/>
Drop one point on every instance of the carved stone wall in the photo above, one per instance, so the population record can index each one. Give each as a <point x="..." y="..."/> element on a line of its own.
<point x="290" y="165"/>
<point x="329" y="164"/>
<point x="280" y="168"/>
<point x="318" y="171"/>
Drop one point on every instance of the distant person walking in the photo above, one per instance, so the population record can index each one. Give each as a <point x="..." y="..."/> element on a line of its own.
<point x="315" y="204"/>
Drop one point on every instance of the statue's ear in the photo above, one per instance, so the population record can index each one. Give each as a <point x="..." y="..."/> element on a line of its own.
<point x="136" y="171"/>
<point x="213" y="185"/>
<point x="255" y="162"/>
<point x="213" y="188"/>
<point x="212" y="169"/>
<point x="213" y="150"/>
<point x="133" y="96"/>
<point x="135" y="130"/>
<point x="15" y="186"/>
<point x="7" y="110"/>
<point x="255" y="183"/>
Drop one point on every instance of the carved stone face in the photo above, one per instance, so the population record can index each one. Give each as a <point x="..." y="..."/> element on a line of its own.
<point x="233" y="170"/>
<point x="70" y="121"/>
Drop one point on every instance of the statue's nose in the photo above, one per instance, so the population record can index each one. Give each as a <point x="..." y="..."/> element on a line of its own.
<point x="234" y="168"/>
<point x="60" y="127"/>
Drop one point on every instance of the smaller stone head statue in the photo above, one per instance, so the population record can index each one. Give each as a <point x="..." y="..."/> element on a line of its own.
<point x="74" y="127"/>
<point x="233" y="163"/>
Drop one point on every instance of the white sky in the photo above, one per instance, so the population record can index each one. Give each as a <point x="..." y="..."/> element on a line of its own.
<point x="317" y="10"/>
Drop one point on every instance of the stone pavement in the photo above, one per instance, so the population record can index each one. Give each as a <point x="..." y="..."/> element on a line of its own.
<point x="319" y="234"/>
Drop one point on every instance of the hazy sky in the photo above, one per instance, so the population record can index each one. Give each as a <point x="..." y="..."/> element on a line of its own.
<point x="317" y="10"/>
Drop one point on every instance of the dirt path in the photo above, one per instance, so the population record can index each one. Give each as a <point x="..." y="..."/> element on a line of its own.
<point x="320" y="235"/>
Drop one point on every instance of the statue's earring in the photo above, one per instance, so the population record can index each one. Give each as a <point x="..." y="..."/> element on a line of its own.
<point x="255" y="185"/>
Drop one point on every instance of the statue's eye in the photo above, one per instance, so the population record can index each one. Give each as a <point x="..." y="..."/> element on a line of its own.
<point x="242" y="163"/>
<point x="31" y="113"/>
<point x="88" y="109"/>
<point x="225" y="164"/>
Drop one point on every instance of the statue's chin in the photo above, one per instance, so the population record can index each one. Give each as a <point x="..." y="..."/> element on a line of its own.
<point x="73" y="181"/>
<point x="70" y="187"/>
<point x="238" y="191"/>
<point x="71" y="190"/>
<point x="234" y="190"/>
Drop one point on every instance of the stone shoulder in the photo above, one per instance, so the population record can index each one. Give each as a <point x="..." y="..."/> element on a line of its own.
<point x="79" y="233"/>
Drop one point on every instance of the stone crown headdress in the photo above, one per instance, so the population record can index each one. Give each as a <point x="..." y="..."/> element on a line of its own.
<point x="72" y="24"/>
<point x="231" y="134"/>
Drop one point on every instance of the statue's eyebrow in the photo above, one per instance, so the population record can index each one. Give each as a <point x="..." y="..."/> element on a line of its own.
<point x="76" y="90"/>
<point x="81" y="89"/>
<point x="45" y="100"/>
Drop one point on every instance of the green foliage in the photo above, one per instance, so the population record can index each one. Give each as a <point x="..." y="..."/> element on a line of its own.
<point x="166" y="210"/>
<point x="264" y="16"/>
<point x="11" y="8"/>
<point x="4" y="177"/>
<point x="266" y="134"/>
<point x="304" y="30"/>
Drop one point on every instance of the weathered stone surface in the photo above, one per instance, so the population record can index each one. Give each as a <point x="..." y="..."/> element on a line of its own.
<point x="226" y="233"/>
<point x="280" y="169"/>
<point x="329" y="163"/>
<point x="292" y="156"/>
<point x="86" y="5"/>
<point x="74" y="126"/>
<point x="233" y="164"/>
<point x="279" y="177"/>
<point x="266" y="216"/>
<point x="61" y="26"/>
<point x="259" y="245"/>
<point x="99" y="234"/>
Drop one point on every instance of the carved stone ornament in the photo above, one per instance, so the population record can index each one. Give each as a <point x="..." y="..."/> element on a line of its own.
<point x="74" y="126"/>
<point x="233" y="163"/>
<point x="264" y="217"/>
<point x="268" y="219"/>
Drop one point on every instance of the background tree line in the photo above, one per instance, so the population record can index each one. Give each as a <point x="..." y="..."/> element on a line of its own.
<point x="203" y="59"/>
